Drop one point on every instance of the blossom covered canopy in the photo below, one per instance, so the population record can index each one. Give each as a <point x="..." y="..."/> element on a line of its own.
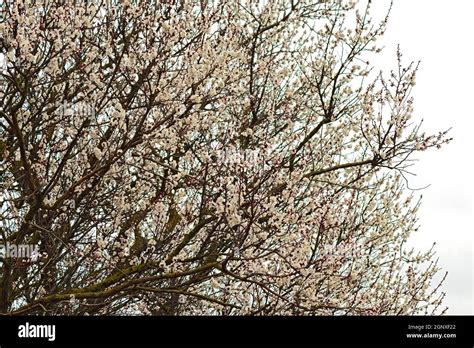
<point x="207" y="157"/>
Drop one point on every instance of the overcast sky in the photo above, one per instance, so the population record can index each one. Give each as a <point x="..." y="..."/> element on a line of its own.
<point x="439" y="33"/>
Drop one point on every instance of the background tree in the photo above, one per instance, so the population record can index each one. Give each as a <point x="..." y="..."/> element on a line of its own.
<point x="206" y="157"/>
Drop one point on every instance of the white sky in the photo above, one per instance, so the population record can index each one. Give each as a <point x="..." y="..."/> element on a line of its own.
<point x="439" y="33"/>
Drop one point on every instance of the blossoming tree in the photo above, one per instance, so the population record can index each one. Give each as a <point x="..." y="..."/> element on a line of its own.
<point x="207" y="157"/>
